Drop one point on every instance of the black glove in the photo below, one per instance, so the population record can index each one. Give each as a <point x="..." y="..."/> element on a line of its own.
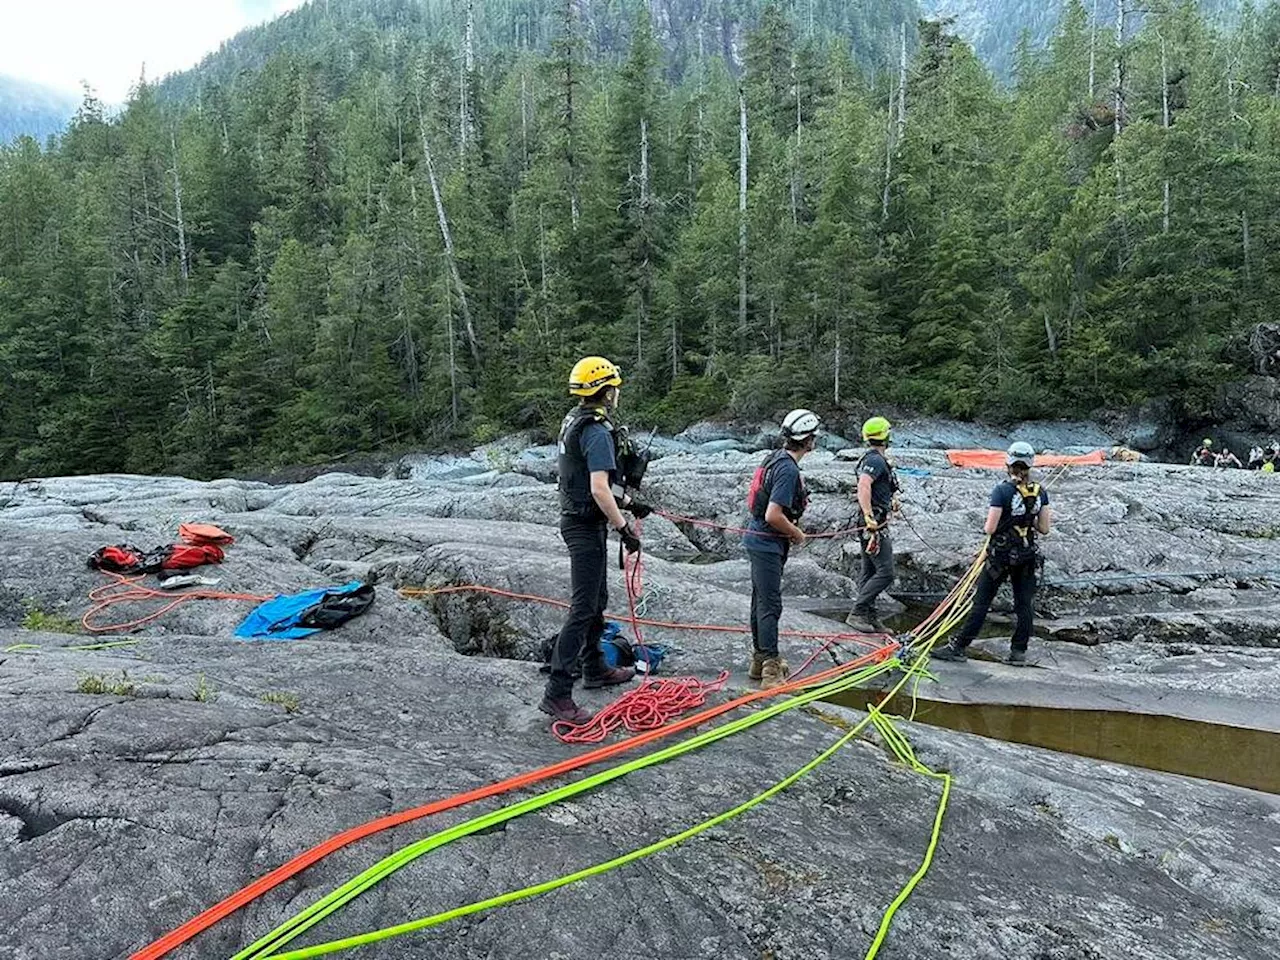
<point x="629" y="539"/>
<point x="639" y="510"/>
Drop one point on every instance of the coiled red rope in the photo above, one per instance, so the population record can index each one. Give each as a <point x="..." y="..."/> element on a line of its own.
<point x="653" y="704"/>
<point x="124" y="589"/>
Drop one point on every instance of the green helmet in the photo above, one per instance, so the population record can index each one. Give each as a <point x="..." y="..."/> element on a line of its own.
<point x="876" y="429"/>
<point x="1208" y="442"/>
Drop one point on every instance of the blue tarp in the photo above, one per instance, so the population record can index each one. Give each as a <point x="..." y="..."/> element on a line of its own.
<point x="277" y="619"/>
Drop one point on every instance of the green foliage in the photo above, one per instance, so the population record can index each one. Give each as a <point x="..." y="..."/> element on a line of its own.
<point x="37" y="619"/>
<point x="100" y="684"/>
<point x="281" y="698"/>
<point x="998" y="252"/>
<point x="202" y="691"/>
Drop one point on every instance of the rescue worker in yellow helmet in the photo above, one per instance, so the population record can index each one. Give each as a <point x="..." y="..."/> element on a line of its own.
<point x="1019" y="512"/>
<point x="591" y="501"/>
<point x="877" y="501"/>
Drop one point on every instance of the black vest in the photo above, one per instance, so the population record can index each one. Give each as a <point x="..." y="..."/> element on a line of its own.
<point x="880" y="511"/>
<point x="575" y="479"/>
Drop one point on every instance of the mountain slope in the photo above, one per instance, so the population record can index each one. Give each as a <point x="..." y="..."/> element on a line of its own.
<point x="683" y="27"/>
<point x="32" y="110"/>
<point x="994" y="27"/>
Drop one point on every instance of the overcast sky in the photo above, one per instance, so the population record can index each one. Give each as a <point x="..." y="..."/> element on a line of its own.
<point x="60" y="43"/>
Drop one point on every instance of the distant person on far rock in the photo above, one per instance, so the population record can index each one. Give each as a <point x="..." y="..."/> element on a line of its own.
<point x="1228" y="460"/>
<point x="1256" y="458"/>
<point x="777" y="499"/>
<point x="1018" y="513"/>
<point x="1204" y="456"/>
<point x="877" y="502"/>
<point x="588" y="508"/>
<point x="1271" y="462"/>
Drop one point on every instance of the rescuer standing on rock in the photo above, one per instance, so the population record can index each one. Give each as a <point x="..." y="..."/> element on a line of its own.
<point x="1019" y="512"/>
<point x="877" y="500"/>
<point x="777" y="500"/>
<point x="591" y="501"/>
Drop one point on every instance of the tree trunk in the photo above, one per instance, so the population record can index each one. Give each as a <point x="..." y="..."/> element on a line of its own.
<point x="902" y="80"/>
<point x="642" y="316"/>
<point x="447" y="237"/>
<point x="1119" y="100"/>
<point x="837" y="392"/>
<point x="468" y="135"/>
<point x="1244" y="239"/>
<point x="1164" y="89"/>
<point x="795" y="165"/>
<point x="177" y="204"/>
<point x="1093" y="52"/>
<point x="524" y="119"/>
<point x="453" y="361"/>
<point x="742" y="211"/>
<point x="888" y="158"/>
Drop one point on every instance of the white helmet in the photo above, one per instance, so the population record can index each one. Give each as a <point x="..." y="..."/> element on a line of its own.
<point x="1021" y="452"/>
<point x="800" y="424"/>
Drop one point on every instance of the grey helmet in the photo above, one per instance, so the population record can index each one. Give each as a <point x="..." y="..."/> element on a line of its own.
<point x="1021" y="452"/>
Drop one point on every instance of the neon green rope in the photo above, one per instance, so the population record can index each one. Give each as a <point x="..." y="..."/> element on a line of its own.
<point x="107" y="645"/>
<point x="423" y="923"/>
<point x="913" y="672"/>
<point x="322" y="908"/>
<point x="21" y="648"/>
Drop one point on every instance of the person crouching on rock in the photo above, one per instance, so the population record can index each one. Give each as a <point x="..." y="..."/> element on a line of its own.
<point x="777" y="500"/>
<point x="877" y="501"/>
<point x="1019" y="512"/>
<point x="1204" y="455"/>
<point x="588" y="463"/>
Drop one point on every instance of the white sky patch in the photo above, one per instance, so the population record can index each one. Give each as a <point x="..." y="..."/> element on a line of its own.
<point x="63" y="43"/>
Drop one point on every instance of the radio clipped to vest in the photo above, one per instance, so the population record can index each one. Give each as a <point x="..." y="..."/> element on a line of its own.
<point x="633" y="461"/>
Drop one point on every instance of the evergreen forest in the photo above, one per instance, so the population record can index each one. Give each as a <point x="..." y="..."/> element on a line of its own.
<point x="393" y="224"/>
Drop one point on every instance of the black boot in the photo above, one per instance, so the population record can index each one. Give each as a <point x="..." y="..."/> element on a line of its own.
<point x="949" y="651"/>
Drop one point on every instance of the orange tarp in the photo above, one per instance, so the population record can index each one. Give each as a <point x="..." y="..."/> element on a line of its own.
<point x="994" y="459"/>
<point x="201" y="534"/>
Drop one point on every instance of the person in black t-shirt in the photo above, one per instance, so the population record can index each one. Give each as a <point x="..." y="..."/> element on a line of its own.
<point x="877" y="502"/>
<point x="589" y="506"/>
<point x="1018" y="514"/>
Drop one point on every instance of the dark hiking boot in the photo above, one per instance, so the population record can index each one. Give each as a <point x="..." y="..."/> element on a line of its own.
<point x="609" y="677"/>
<point x="1017" y="658"/>
<point x="864" y="622"/>
<point x="949" y="651"/>
<point x="756" y="669"/>
<point x="563" y="708"/>
<point x="773" y="672"/>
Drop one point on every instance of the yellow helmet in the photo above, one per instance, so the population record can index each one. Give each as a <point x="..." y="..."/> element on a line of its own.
<point x="877" y="429"/>
<point x="591" y="374"/>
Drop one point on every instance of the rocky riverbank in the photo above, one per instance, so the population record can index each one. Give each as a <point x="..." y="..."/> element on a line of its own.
<point x="140" y="784"/>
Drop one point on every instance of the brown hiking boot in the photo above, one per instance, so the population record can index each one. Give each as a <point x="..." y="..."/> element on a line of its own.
<point x="756" y="670"/>
<point x="773" y="672"/>
<point x="563" y="708"/>
<point x="610" y="677"/>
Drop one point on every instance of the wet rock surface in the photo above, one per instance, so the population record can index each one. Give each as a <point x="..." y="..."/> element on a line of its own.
<point x="208" y="761"/>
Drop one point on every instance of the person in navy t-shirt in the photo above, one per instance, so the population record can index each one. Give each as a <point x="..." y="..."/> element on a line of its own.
<point x="1018" y="514"/>
<point x="776" y="509"/>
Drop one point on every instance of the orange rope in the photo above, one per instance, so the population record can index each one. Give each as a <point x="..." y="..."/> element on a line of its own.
<point x="862" y="639"/>
<point x="130" y="590"/>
